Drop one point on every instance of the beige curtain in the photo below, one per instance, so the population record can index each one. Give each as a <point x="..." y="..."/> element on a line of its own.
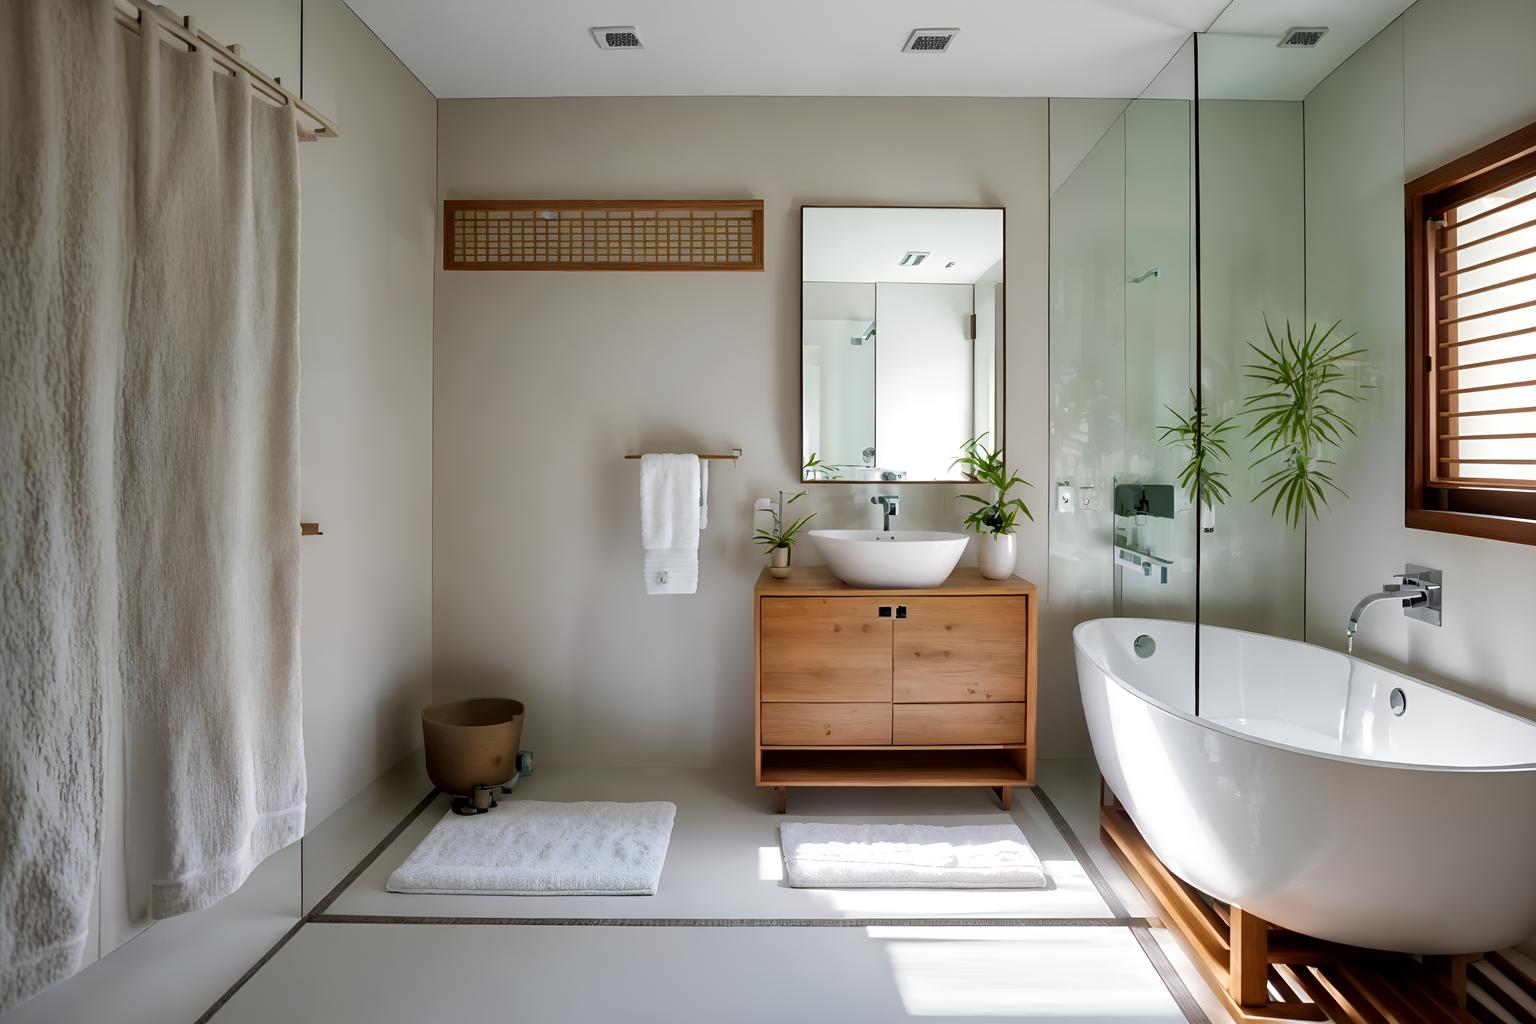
<point x="63" y="271"/>
<point x="207" y="486"/>
<point x="148" y="477"/>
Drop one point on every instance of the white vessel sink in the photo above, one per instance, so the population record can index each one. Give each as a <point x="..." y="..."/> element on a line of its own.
<point x="899" y="558"/>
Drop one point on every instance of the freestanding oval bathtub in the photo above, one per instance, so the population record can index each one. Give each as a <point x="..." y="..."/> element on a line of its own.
<point x="1300" y="796"/>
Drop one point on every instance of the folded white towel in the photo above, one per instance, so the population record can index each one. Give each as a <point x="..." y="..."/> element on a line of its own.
<point x="669" y="523"/>
<point x="703" y="494"/>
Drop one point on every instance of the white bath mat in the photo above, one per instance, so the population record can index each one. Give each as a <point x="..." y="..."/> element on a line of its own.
<point x="538" y="848"/>
<point x="825" y="856"/>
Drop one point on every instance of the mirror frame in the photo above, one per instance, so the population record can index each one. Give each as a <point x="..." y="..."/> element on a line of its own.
<point x="1002" y="350"/>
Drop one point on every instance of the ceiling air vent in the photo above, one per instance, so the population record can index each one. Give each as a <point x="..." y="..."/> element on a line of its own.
<point x="617" y="37"/>
<point x="912" y="259"/>
<point x="1301" y="37"/>
<point x="930" y="40"/>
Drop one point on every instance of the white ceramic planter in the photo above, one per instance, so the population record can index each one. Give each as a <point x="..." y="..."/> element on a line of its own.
<point x="778" y="564"/>
<point x="996" y="554"/>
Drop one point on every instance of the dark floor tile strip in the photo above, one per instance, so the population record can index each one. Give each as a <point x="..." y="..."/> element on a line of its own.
<point x="1165" y="970"/>
<point x="1106" y="891"/>
<point x="319" y="908"/>
<point x="742" y="922"/>
<point x="229" y="993"/>
<point x="372" y="856"/>
<point x="1139" y="929"/>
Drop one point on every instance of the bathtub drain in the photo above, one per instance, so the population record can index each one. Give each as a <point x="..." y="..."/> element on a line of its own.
<point x="1398" y="701"/>
<point x="1144" y="646"/>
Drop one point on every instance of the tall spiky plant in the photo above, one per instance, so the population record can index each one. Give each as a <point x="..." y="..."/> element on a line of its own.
<point x="1204" y="437"/>
<point x="1302" y="387"/>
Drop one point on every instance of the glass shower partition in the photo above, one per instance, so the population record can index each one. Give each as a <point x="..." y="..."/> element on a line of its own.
<point x="1123" y="351"/>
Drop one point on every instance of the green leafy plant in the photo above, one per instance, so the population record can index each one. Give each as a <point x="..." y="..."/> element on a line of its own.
<point x="1302" y="389"/>
<point x="782" y="536"/>
<point x="1204" y="438"/>
<point x="814" y="467"/>
<point x="997" y="514"/>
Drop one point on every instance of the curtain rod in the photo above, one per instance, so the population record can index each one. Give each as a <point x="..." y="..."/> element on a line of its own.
<point x="131" y="14"/>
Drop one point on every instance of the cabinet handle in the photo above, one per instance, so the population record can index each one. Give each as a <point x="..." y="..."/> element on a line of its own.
<point x="901" y="611"/>
<point x="828" y="727"/>
<point x="885" y="611"/>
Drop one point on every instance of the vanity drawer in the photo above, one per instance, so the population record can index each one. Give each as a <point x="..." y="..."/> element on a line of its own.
<point x="913" y="724"/>
<point x="960" y="649"/>
<point x="789" y="725"/>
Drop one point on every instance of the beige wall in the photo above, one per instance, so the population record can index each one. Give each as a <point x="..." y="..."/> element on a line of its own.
<point x="366" y="415"/>
<point x="1447" y="77"/>
<point x="543" y="381"/>
<point x="367" y="252"/>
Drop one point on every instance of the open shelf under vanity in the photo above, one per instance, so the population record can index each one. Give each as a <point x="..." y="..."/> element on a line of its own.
<point x="900" y="687"/>
<point x="931" y="766"/>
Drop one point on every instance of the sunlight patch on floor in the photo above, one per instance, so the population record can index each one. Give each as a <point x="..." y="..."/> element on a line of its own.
<point x="1038" y="974"/>
<point x="770" y="864"/>
<point x="1070" y="894"/>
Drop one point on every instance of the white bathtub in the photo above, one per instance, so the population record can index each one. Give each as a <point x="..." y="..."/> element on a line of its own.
<point x="1299" y="796"/>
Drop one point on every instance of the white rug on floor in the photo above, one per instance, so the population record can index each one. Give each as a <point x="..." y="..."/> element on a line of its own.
<point x="539" y="848"/>
<point x="827" y="856"/>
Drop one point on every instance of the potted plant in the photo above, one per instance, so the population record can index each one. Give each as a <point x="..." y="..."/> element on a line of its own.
<point x="778" y="541"/>
<point x="993" y="521"/>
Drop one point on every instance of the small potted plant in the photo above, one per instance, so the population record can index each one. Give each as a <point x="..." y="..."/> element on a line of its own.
<point x="993" y="521"/>
<point x="778" y="541"/>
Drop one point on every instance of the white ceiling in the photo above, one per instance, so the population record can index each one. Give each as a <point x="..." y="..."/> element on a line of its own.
<point x="465" y="48"/>
<point x="867" y="244"/>
<point x="1240" y="61"/>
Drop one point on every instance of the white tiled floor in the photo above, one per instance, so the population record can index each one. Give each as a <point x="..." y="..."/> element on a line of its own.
<point x="393" y="974"/>
<point x="724" y="859"/>
<point x="723" y="865"/>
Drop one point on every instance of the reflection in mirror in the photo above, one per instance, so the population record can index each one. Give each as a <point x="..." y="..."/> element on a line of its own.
<point x="901" y="340"/>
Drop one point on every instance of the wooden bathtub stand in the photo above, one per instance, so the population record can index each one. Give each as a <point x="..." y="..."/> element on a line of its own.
<point x="1263" y="973"/>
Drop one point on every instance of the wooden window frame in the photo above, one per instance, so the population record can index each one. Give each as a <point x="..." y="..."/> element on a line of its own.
<point x="1494" y="514"/>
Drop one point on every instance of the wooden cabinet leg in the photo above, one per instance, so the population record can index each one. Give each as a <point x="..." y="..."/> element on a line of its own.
<point x="1248" y="980"/>
<point x="781" y="794"/>
<point x="1004" y="796"/>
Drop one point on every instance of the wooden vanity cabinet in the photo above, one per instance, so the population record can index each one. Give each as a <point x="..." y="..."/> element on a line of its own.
<point x="922" y="687"/>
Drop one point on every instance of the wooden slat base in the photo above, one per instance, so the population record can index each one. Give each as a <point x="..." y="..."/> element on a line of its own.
<point x="1265" y="974"/>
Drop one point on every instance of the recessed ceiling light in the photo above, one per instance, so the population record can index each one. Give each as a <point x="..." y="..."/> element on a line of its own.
<point x="930" y="40"/>
<point x="912" y="259"/>
<point x="617" y="37"/>
<point x="1302" y="37"/>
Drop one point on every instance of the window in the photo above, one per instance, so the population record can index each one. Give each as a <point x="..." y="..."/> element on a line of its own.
<point x="1472" y="343"/>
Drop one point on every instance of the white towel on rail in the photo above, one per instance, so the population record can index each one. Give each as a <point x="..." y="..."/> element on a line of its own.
<point x="208" y="487"/>
<point x="62" y="289"/>
<point x="669" y="523"/>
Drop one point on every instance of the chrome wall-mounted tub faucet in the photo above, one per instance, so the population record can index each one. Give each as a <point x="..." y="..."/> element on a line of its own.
<point x="1419" y="593"/>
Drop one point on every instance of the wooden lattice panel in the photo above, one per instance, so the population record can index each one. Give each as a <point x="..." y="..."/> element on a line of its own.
<point x="512" y="234"/>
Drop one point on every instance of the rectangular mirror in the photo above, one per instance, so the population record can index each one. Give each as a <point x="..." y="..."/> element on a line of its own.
<point x="901" y="340"/>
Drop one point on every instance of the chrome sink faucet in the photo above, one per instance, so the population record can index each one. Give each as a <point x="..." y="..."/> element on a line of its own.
<point x="890" y="506"/>
<point x="1419" y="593"/>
